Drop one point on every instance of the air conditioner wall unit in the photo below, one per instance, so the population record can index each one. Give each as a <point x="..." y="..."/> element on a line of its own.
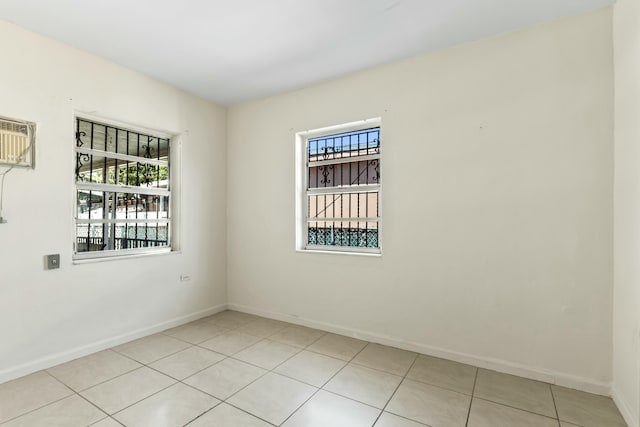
<point x="17" y="142"/>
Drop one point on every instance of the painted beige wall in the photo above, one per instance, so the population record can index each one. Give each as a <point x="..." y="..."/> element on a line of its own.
<point x="502" y="151"/>
<point x="51" y="316"/>
<point x="626" y="308"/>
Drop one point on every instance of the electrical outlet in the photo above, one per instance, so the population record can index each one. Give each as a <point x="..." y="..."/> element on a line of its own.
<point x="53" y="261"/>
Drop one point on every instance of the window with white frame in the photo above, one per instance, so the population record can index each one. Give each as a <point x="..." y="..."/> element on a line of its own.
<point x="339" y="188"/>
<point x="123" y="194"/>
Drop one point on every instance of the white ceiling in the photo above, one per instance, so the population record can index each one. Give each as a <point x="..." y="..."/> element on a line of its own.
<point x="235" y="50"/>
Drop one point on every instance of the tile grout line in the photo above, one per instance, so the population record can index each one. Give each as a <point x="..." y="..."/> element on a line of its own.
<point x="85" y="399"/>
<point x="242" y="361"/>
<point x="322" y="388"/>
<point x="486" y="399"/>
<point x="200" y="342"/>
<point x="220" y="401"/>
<point x="153" y="361"/>
<point x="225" y="400"/>
<point x="514" y="407"/>
<point x="473" y="390"/>
<point x="45" y="405"/>
<point x="78" y="393"/>
<point x="555" y="407"/>
<point x="276" y="373"/>
<point x="415" y="359"/>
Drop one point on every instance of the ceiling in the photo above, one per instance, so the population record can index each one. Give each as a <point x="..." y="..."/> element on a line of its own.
<point x="235" y="50"/>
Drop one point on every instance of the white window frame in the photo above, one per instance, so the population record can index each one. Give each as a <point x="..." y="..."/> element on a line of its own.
<point x="302" y="191"/>
<point x="110" y="188"/>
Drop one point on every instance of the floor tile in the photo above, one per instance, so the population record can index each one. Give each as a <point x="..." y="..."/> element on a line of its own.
<point x="263" y="327"/>
<point x="225" y="378"/>
<point x="230" y="343"/>
<point x="273" y="397"/>
<point x="297" y="336"/>
<point x="364" y="385"/>
<point x="187" y="362"/>
<point x="196" y="332"/>
<point x="383" y="358"/>
<point x="338" y="346"/>
<point x="311" y="368"/>
<point x="174" y="406"/>
<point x="586" y="409"/>
<point x="356" y="380"/>
<point x="68" y="412"/>
<point x="90" y="370"/>
<point x="31" y="392"/>
<point x="149" y="349"/>
<point x="430" y="405"/>
<point x="232" y="319"/>
<point x="107" y="422"/>
<point x="489" y="414"/>
<point x="267" y="354"/>
<point x="327" y="409"/>
<point x="444" y="373"/>
<point x="118" y="393"/>
<point x="390" y="420"/>
<point x="520" y="393"/>
<point x="225" y="415"/>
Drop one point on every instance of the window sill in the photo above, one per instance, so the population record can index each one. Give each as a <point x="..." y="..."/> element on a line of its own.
<point x="123" y="257"/>
<point x="339" y="252"/>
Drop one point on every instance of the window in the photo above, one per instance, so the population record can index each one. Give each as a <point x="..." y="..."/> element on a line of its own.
<point x="339" y="188"/>
<point x="122" y="191"/>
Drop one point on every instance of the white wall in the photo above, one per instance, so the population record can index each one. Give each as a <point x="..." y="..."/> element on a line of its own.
<point x="50" y="316"/>
<point x="626" y="313"/>
<point x="497" y="188"/>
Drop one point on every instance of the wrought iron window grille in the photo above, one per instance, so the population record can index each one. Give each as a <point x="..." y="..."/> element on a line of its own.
<point x="123" y="191"/>
<point x="342" y="191"/>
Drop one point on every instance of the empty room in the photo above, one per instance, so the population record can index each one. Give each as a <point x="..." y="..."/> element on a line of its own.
<point x="320" y="213"/>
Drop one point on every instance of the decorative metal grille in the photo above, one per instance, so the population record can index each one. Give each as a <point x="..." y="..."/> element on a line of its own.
<point x="343" y="189"/>
<point x="122" y="185"/>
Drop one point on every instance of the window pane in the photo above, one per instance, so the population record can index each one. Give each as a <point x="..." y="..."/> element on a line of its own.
<point x="345" y="174"/>
<point x="343" y="219"/>
<point x="91" y="237"/>
<point x="349" y="234"/>
<point x="143" y="175"/>
<point x="135" y="235"/>
<point x="91" y="204"/>
<point x="100" y="237"/>
<point x="98" y="136"/>
<point x="142" y="206"/>
<point x="344" y="205"/>
<point x="91" y="168"/>
<point x="344" y="145"/>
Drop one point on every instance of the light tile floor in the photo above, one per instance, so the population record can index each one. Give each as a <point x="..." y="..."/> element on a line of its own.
<point x="238" y="370"/>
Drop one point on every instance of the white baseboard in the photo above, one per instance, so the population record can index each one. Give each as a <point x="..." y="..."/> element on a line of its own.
<point x="574" y="382"/>
<point x="632" y="417"/>
<point x="66" y="356"/>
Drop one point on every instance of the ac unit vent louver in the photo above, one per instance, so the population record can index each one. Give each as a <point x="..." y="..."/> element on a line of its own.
<point x="16" y="142"/>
